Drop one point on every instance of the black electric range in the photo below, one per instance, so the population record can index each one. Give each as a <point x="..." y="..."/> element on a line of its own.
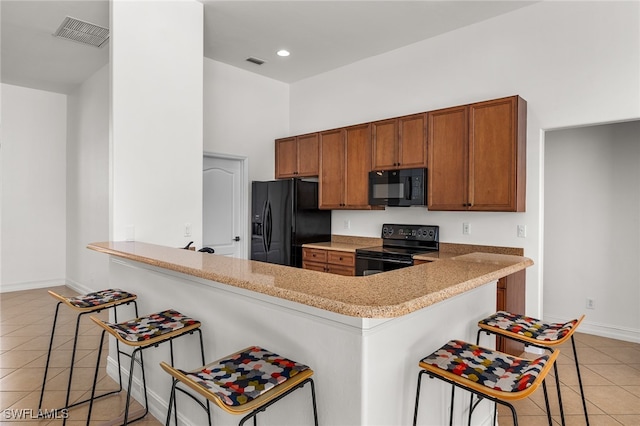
<point x="399" y="244"/>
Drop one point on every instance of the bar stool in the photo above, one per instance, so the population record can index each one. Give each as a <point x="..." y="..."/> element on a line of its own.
<point x="143" y="333"/>
<point x="537" y="333"/>
<point x="248" y="381"/>
<point x="489" y="374"/>
<point x="85" y="304"/>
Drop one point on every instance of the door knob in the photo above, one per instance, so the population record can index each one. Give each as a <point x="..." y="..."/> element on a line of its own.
<point x="236" y="238"/>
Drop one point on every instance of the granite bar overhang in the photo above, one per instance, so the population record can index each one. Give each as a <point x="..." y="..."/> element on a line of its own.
<point x="387" y="295"/>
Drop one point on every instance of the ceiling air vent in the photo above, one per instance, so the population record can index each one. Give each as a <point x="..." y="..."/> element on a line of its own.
<point x="256" y="61"/>
<point x="82" y="32"/>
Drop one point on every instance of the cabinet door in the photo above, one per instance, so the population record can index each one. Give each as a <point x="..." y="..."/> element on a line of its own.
<point x="332" y="169"/>
<point x="384" y="144"/>
<point x="358" y="166"/>
<point x="496" y="173"/>
<point x="447" y="182"/>
<point x="412" y="142"/>
<point x="286" y="158"/>
<point x="308" y="155"/>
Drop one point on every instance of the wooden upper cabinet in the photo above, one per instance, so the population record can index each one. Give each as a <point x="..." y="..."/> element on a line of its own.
<point x="399" y="143"/>
<point x="477" y="156"/>
<point x="412" y="144"/>
<point x="448" y="167"/>
<point x="332" y="169"/>
<point x="345" y="162"/>
<point x="384" y="144"/>
<point x="297" y="156"/>
<point x="497" y="149"/>
<point x="358" y="166"/>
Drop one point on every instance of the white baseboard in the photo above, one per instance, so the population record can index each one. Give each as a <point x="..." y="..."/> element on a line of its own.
<point x="80" y="288"/>
<point x="32" y="285"/>
<point x="603" y="330"/>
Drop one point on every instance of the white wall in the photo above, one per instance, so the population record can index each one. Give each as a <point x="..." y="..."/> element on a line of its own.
<point x="592" y="227"/>
<point x="33" y="191"/>
<point x="574" y="62"/>
<point x="157" y="117"/>
<point x="243" y="114"/>
<point x="88" y="182"/>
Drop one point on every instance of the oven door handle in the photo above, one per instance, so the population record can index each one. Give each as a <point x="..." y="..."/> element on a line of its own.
<point x="379" y="259"/>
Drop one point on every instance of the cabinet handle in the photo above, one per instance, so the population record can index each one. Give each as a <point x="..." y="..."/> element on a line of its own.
<point x="340" y="257"/>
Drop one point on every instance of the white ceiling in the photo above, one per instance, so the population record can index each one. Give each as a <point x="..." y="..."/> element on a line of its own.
<point x="321" y="35"/>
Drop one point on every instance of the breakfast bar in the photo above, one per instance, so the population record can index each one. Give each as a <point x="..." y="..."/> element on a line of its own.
<point x="362" y="336"/>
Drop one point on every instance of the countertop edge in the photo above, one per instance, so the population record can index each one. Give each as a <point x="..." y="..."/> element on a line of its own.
<point x="319" y="301"/>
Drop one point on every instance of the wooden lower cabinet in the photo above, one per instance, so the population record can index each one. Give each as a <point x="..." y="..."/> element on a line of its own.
<point x="327" y="260"/>
<point x="510" y="297"/>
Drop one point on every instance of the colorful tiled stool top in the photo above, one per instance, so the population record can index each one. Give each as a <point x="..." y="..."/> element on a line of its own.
<point x="152" y="326"/>
<point x="529" y="327"/>
<point x="486" y="367"/>
<point x="243" y="377"/>
<point x="98" y="298"/>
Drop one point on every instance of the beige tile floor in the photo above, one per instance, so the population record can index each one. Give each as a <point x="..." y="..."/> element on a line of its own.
<point x="26" y="318"/>
<point x="610" y="371"/>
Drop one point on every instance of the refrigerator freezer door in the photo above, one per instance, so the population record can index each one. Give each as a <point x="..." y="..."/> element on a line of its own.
<point x="259" y="198"/>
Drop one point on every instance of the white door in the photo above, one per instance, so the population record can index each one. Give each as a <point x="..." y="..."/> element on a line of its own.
<point x="224" y="216"/>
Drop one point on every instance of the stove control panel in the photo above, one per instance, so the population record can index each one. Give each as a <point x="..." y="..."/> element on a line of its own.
<point x="410" y="232"/>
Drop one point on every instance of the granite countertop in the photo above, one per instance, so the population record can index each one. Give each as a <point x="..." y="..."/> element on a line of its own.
<point x="387" y="295"/>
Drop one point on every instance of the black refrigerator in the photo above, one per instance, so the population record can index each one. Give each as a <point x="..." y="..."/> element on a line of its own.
<point x="285" y="215"/>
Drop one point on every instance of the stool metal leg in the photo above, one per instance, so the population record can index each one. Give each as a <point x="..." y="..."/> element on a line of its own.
<point x="453" y="396"/>
<point x="584" y="402"/>
<point x="95" y="379"/>
<point x="546" y="401"/>
<point x="46" y="368"/>
<point x="279" y="397"/>
<point x="415" y="410"/>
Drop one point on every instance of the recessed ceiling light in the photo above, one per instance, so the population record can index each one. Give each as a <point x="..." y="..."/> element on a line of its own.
<point x="283" y="52"/>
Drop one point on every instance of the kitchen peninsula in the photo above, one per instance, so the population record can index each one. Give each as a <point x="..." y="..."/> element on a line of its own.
<point x="363" y="336"/>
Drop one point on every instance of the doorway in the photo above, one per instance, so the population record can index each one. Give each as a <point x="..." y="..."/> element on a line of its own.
<point x="224" y="205"/>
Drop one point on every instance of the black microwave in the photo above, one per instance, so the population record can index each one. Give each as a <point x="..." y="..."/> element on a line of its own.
<point x="398" y="187"/>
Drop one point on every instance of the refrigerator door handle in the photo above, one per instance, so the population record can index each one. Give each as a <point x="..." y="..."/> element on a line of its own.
<point x="264" y="227"/>
<point x="269" y="220"/>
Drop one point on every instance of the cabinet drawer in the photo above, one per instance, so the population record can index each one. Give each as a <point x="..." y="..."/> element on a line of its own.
<point x="312" y="266"/>
<point x="349" y="271"/>
<point x="341" y="258"/>
<point x="314" y="255"/>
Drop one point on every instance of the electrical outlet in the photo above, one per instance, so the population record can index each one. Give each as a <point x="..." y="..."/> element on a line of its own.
<point x="522" y="231"/>
<point x="466" y="228"/>
<point x="346" y="224"/>
<point x="590" y="303"/>
<point x="187" y="229"/>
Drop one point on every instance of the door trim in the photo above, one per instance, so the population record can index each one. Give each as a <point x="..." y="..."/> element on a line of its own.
<point x="244" y="197"/>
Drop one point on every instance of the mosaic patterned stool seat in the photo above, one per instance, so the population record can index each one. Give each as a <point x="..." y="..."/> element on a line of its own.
<point x="486" y="373"/>
<point x="142" y="333"/>
<point x="537" y="333"/>
<point x="85" y="304"/>
<point x="247" y="381"/>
